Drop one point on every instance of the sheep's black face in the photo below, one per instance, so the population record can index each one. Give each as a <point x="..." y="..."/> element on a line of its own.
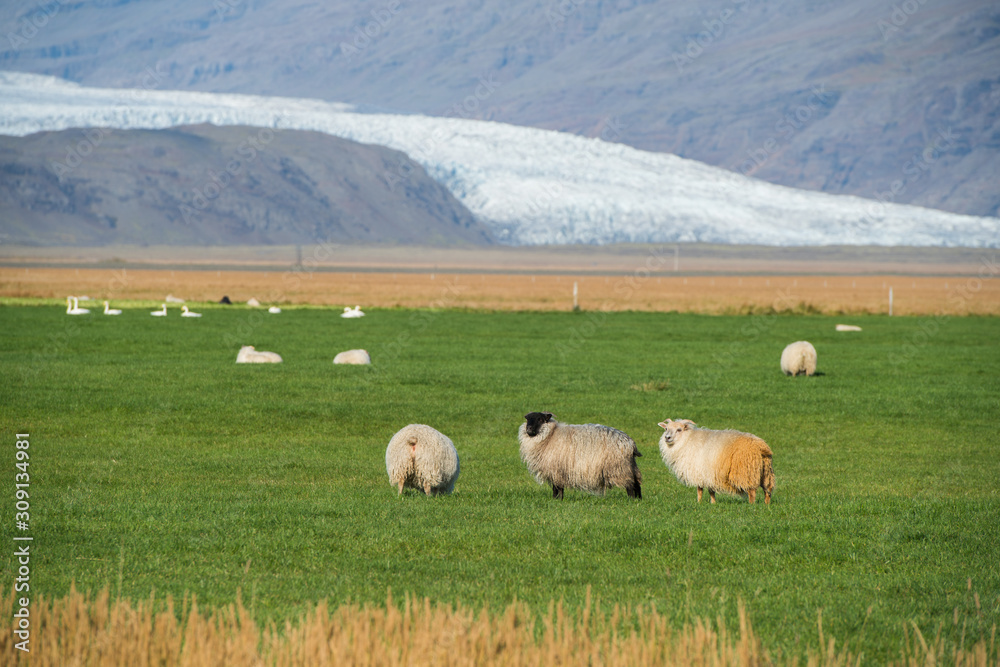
<point x="534" y="421"/>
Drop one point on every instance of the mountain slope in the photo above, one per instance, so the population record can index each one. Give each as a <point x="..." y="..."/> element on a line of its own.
<point x="841" y="96"/>
<point x="528" y="186"/>
<point x="218" y="185"/>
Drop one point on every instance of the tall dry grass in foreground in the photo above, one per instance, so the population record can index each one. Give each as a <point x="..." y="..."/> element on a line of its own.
<point x="79" y="630"/>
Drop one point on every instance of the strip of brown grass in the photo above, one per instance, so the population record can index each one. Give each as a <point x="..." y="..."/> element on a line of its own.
<point x="80" y="630"/>
<point x="840" y="295"/>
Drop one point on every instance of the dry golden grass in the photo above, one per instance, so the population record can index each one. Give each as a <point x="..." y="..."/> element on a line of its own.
<point x="98" y="631"/>
<point x="913" y="295"/>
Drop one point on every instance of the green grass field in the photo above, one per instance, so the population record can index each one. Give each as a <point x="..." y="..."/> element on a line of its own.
<point x="157" y="463"/>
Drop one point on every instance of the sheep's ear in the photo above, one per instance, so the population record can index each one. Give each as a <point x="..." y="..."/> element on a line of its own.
<point x="548" y="416"/>
<point x="665" y="424"/>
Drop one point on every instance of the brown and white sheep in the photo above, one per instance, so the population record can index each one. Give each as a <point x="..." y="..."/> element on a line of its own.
<point x="729" y="461"/>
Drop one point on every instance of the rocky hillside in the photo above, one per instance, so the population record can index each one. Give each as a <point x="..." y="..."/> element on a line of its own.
<point x="219" y="185"/>
<point x="897" y="101"/>
<point x="528" y="186"/>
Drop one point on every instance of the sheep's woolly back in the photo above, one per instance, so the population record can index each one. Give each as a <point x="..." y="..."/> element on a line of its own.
<point x="359" y="357"/>
<point x="798" y="358"/>
<point x="248" y="355"/>
<point x="423" y="458"/>
<point x="589" y="457"/>
<point x="729" y="461"/>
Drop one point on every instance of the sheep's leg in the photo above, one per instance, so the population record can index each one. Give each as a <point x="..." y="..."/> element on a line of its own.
<point x="634" y="490"/>
<point x="401" y="487"/>
<point x="767" y="497"/>
<point x="557" y="492"/>
<point x="752" y="495"/>
<point x="427" y="488"/>
<point x="711" y="495"/>
<point x="699" y="494"/>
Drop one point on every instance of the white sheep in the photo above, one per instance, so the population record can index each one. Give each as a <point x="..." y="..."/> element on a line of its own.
<point x="359" y="357"/>
<point x="848" y="327"/>
<point x="420" y="457"/>
<point x="248" y="355"/>
<point x="727" y="461"/>
<point x="798" y="358"/>
<point x="588" y="457"/>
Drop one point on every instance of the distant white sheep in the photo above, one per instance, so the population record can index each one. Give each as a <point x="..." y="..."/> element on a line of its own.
<point x="588" y="457"/>
<point x="848" y="327"/>
<point x="248" y="355"/>
<point x="727" y="461"/>
<point x="798" y="358"/>
<point x="420" y="457"/>
<point x="358" y="357"/>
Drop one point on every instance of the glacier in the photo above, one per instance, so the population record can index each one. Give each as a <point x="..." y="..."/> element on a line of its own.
<point x="529" y="186"/>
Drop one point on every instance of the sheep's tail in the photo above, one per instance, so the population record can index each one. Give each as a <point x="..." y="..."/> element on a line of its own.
<point x="767" y="477"/>
<point x="412" y="442"/>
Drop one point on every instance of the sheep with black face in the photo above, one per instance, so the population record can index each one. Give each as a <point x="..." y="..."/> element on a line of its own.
<point x="588" y="457"/>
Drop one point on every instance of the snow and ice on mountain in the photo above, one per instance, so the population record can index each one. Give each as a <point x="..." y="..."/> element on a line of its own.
<point x="529" y="186"/>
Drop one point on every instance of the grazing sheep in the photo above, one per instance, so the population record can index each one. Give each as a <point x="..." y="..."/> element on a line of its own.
<point x="727" y="461"/>
<point x="848" y="327"/>
<point x="588" y="457"/>
<point x="420" y="457"/>
<point x="359" y="357"/>
<point x="252" y="302"/>
<point x="798" y="358"/>
<point x="248" y="355"/>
